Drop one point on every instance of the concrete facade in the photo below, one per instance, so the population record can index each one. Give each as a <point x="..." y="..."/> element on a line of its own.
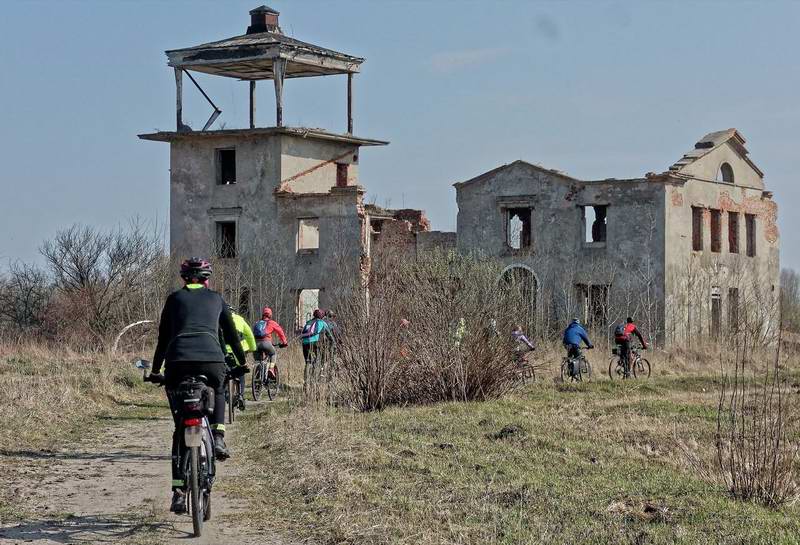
<point x="645" y="266"/>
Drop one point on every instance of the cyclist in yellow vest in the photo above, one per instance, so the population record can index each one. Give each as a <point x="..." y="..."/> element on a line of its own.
<point x="248" y="342"/>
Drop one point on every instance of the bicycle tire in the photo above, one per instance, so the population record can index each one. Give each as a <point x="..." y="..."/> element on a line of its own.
<point x="613" y="366"/>
<point x="588" y="371"/>
<point x="195" y="496"/>
<point x="207" y="505"/>
<point x="644" y="372"/>
<point x="231" y="402"/>
<point x="564" y="371"/>
<point x="273" y="385"/>
<point x="256" y="382"/>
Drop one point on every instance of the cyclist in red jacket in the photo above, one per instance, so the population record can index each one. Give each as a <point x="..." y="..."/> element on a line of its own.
<point x="622" y="336"/>
<point x="263" y="331"/>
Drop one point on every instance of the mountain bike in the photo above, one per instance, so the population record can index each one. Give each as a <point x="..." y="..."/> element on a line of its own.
<point x="576" y="369"/>
<point x="525" y="370"/>
<point x="638" y="366"/>
<point x="193" y="401"/>
<point x="266" y="376"/>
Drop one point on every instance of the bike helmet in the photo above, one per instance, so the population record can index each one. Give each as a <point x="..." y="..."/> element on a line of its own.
<point x="319" y="313"/>
<point x="195" y="267"/>
<point x="629" y="320"/>
<point x="266" y="314"/>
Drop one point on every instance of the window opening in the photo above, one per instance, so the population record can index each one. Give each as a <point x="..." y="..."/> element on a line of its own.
<point x="725" y="173"/>
<point x="716" y="312"/>
<point x="307" y="302"/>
<point x="594" y="302"/>
<point x="341" y="174"/>
<point x="594" y="223"/>
<point x="226" y="166"/>
<point x="376" y="226"/>
<point x="697" y="229"/>
<point x="750" y="231"/>
<point x="524" y="288"/>
<point x="733" y="232"/>
<point x="308" y="234"/>
<point x="244" y="302"/>
<point x="226" y="239"/>
<point x="519" y="228"/>
<point x="733" y="309"/>
<point x="716" y="231"/>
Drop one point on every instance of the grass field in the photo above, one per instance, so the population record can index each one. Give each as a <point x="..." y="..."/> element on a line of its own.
<point x="595" y="463"/>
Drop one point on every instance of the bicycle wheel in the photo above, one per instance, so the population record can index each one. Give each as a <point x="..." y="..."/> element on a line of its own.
<point x="231" y="395"/>
<point x="196" y="498"/>
<point x="257" y="384"/>
<point x="564" y="370"/>
<point x="273" y="384"/>
<point x="615" y="370"/>
<point x="641" y="369"/>
<point x="586" y="369"/>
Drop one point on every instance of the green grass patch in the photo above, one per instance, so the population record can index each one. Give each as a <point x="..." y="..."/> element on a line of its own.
<point x="592" y="463"/>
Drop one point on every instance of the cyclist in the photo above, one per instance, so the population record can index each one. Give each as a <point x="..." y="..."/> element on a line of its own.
<point x="523" y="344"/>
<point x="622" y="337"/>
<point x="248" y="342"/>
<point x="263" y="331"/>
<point x="314" y="328"/>
<point x="573" y="336"/>
<point x="189" y="344"/>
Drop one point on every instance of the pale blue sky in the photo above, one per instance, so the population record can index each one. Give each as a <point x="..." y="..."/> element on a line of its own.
<point x="596" y="89"/>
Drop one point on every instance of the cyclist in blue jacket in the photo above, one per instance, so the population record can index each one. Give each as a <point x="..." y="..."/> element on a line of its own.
<point x="573" y="336"/>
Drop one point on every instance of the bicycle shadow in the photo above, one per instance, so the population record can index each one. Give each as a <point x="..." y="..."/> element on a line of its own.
<point x="82" y="529"/>
<point x="113" y="456"/>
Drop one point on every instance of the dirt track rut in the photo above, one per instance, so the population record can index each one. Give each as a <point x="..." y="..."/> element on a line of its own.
<point x="115" y="488"/>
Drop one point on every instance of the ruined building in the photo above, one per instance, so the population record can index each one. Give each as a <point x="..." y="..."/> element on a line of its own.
<point x="691" y="252"/>
<point x="284" y="199"/>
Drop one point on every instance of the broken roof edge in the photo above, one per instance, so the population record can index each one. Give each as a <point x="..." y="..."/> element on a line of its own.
<point x="712" y="141"/>
<point x="518" y="162"/>
<point x="301" y="132"/>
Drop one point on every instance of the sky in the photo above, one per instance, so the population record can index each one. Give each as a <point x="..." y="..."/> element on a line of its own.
<point x="595" y="89"/>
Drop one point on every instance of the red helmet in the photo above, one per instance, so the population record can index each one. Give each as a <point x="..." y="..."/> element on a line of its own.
<point x="195" y="267"/>
<point x="319" y="313"/>
<point x="266" y="313"/>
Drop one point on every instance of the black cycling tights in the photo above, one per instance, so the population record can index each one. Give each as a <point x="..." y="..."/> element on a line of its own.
<point x="175" y="373"/>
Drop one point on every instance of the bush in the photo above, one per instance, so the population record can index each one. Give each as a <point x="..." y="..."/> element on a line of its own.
<point x="431" y="329"/>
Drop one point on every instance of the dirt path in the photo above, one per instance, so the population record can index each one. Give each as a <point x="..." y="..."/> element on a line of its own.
<point x="114" y="488"/>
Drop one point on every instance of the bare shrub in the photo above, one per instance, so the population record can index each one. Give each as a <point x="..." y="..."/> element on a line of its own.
<point x="456" y="345"/>
<point x="103" y="280"/>
<point x="790" y="300"/>
<point x="755" y="448"/>
<point x="24" y="295"/>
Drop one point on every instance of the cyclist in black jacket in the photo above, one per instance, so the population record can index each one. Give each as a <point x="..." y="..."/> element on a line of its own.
<point x="195" y="324"/>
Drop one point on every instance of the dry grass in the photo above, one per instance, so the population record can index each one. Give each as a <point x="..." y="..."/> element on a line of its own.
<point x="593" y="463"/>
<point x="47" y="395"/>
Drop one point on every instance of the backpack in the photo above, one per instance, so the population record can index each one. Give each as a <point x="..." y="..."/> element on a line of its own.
<point x="310" y="329"/>
<point x="260" y="329"/>
<point x="620" y="335"/>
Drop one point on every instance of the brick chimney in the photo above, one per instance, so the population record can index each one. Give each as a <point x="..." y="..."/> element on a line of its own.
<point x="263" y="19"/>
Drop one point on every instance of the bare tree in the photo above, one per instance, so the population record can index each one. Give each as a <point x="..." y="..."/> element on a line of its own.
<point x="24" y="295"/>
<point x="104" y="279"/>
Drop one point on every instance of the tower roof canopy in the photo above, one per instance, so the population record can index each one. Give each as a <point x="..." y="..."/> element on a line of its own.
<point x="251" y="56"/>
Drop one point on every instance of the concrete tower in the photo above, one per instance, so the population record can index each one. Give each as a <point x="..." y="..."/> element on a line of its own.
<point x="286" y="198"/>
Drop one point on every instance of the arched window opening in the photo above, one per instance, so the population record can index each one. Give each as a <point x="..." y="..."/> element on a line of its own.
<point x="725" y="173"/>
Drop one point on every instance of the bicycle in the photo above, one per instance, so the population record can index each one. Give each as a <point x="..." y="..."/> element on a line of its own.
<point x="194" y="401"/>
<point x="617" y="368"/>
<point x="266" y="376"/>
<point x="569" y="365"/>
<point x="525" y="370"/>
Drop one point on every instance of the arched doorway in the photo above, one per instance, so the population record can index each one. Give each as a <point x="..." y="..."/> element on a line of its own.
<point x="523" y="289"/>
